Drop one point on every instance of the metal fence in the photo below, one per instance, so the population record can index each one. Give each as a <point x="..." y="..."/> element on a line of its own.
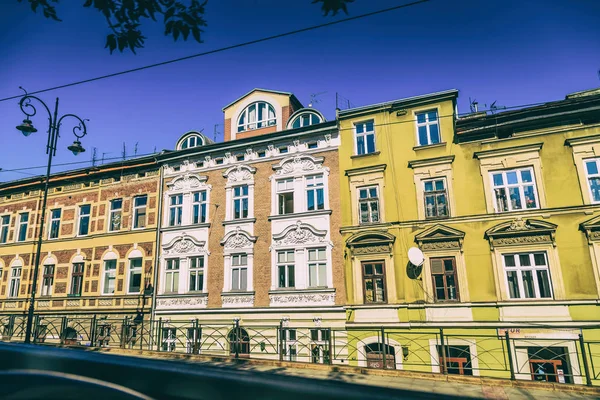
<point x="551" y="354"/>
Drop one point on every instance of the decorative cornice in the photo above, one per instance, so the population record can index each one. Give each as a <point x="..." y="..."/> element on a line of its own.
<point x="187" y="182"/>
<point x="366" y="170"/>
<point x="431" y="161"/>
<point x="231" y="300"/>
<point x="302" y="298"/>
<point x="238" y="239"/>
<point x="591" y="228"/>
<point x="239" y="173"/>
<point x="440" y="237"/>
<point x="300" y="233"/>
<point x="520" y="231"/>
<point x="182" y="302"/>
<point x="299" y="163"/>
<point x="184" y="244"/>
<point x="509" y="151"/>
<point x="577" y="141"/>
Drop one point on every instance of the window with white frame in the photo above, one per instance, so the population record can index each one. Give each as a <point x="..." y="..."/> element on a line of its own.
<point x="286" y="269"/>
<point x="47" y="280"/>
<point x="196" y="268"/>
<point x="319" y="347"/>
<point x="365" y="137"/>
<point x="54" y="224"/>
<point x="257" y="115"/>
<point x="305" y="119"/>
<point x="194" y="340"/>
<point x="317" y="267"/>
<point x="169" y="339"/>
<point x="4" y="225"/>
<point x="84" y="220"/>
<point x="22" y="231"/>
<point x="290" y="340"/>
<point x="315" y="197"/>
<point x="239" y="272"/>
<point x="175" y="209"/>
<point x="285" y="196"/>
<point x="135" y="275"/>
<point x="115" y="215"/>
<point x="77" y="279"/>
<point x="527" y="275"/>
<point x="514" y="189"/>
<point x="592" y="172"/>
<point x="240" y="202"/>
<point x="139" y="211"/>
<point x="172" y="275"/>
<point x="428" y="127"/>
<point x="199" y="205"/>
<point x="436" y="198"/>
<point x="109" y="278"/>
<point x="15" y="281"/>
<point x="368" y="203"/>
<point x="191" y="141"/>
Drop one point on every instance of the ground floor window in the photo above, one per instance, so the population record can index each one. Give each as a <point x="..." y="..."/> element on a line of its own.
<point x="194" y="336"/>
<point x="458" y="359"/>
<point x="290" y="349"/>
<point x="550" y="364"/>
<point x="239" y="341"/>
<point x="319" y="347"/>
<point x="169" y="338"/>
<point x="375" y="354"/>
<point x="103" y="335"/>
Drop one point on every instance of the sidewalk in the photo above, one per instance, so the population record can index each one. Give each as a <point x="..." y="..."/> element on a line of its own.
<point x="466" y="387"/>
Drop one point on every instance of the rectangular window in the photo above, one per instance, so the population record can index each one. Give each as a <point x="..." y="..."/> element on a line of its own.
<point x="319" y="347"/>
<point x="514" y="190"/>
<point x="199" y="205"/>
<point x="15" y="282"/>
<point x="290" y="350"/>
<point x="436" y="198"/>
<point x="312" y="145"/>
<point x="4" y="225"/>
<point x="240" y="157"/>
<point x="317" y="268"/>
<point x="194" y="340"/>
<point x="54" y="224"/>
<point x="196" y="274"/>
<point x="368" y="203"/>
<point x="169" y="339"/>
<point x="139" y="211"/>
<point x="443" y="274"/>
<point x="458" y="359"/>
<point x="84" y="220"/>
<point x="527" y="276"/>
<point x="285" y="196"/>
<point x="172" y="276"/>
<point x="114" y="216"/>
<point x="239" y="272"/>
<point x="374" y="282"/>
<point x="175" y="209"/>
<point x="76" y="279"/>
<point x="592" y="173"/>
<point x="261" y="154"/>
<point x="428" y="127"/>
<point x="285" y="269"/>
<point x="240" y="202"/>
<point x="47" y="280"/>
<point x="365" y="137"/>
<point x="283" y="150"/>
<point x="110" y="272"/>
<point x="23" y="220"/>
<point x="135" y="275"/>
<point x="315" y="198"/>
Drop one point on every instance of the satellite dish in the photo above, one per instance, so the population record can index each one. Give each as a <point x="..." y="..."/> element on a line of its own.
<point x="415" y="256"/>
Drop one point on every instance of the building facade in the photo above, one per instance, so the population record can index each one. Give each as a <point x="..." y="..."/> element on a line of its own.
<point x="250" y="228"/>
<point x="502" y="207"/>
<point x="97" y="254"/>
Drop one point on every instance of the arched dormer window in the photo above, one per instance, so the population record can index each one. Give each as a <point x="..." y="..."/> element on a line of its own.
<point x="305" y="117"/>
<point x="190" y="141"/>
<point x="257" y="115"/>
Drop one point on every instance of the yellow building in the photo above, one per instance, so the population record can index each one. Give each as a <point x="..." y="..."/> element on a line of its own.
<point x="97" y="255"/>
<point x="504" y="210"/>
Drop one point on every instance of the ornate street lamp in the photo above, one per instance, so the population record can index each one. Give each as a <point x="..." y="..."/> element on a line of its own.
<point x="27" y="128"/>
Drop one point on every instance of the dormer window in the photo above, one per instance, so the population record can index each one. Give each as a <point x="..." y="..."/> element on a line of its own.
<point x="257" y="115"/>
<point x="191" y="141"/>
<point x="305" y="117"/>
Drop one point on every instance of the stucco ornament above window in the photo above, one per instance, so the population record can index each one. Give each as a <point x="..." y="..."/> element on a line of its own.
<point x="440" y="237"/>
<point x="299" y="164"/>
<point x="520" y="231"/>
<point x="371" y="242"/>
<point x="238" y="239"/>
<point x="591" y="227"/>
<point x="300" y="233"/>
<point x="183" y="245"/>
<point x="239" y="173"/>
<point x="187" y="182"/>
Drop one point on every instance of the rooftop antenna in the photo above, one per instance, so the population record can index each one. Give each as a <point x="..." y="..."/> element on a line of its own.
<point x="154" y="150"/>
<point x="215" y="133"/>
<point x="494" y="107"/>
<point x="103" y="154"/>
<point x="135" y="149"/>
<point x="473" y="105"/>
<point x="124" y="152"/>
<point x="94" y="158"/>
<point x="314" y="99"/>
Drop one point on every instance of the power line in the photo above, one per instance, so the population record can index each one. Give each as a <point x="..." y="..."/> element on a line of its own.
<point x="219" y="50"/>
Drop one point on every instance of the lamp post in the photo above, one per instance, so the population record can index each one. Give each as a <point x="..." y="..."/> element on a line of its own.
<point x="27" y="129"/>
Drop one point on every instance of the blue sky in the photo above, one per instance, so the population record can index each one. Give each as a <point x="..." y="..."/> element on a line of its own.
<point x="512" y="52"/>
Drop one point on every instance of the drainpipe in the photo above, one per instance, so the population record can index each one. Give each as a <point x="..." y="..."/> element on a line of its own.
<point x="157" y="251"/>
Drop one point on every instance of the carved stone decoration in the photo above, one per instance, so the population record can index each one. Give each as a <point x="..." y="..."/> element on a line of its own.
<point x="519" y="231"/>
<point x="591" y="228"/>
<point x="302" y="299"/>
<point x="238" y="239"/>
<point x="507" y="241"/>
<point x="44" y="303"/>
<point x="73" y="303"/>
<point x="298" y="164"/>
<point x="594" y="235"/>
<point x="105" y="302"/>
<point x="131" y="302"/>
<point x="299" y="234"/>
<point x="519" y="224"/>
<point x="183" y="245"/>
<point x="187" y="182"/>
<point x="239" y="173"/>
<point x="182" y="302"/>
<point x="371" y="249"/>
<point x="443" y="245"/>
<point x="237" y="300"/>
<point x="328" y="139"/>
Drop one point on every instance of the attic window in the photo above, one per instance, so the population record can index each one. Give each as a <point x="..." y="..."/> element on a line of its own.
<point x="312" y="145"/>
<point x="199" y="164"/>
<point x="305" y="119"/>
<point x="219" y="161"/>
<point x="177" y="168"/>
<point x="190" y="142"/>
<point x="283" y="150"/>
<point x="240" y="157"/>
<point x="261" y="154"/>
<point x="257" y="115"/>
